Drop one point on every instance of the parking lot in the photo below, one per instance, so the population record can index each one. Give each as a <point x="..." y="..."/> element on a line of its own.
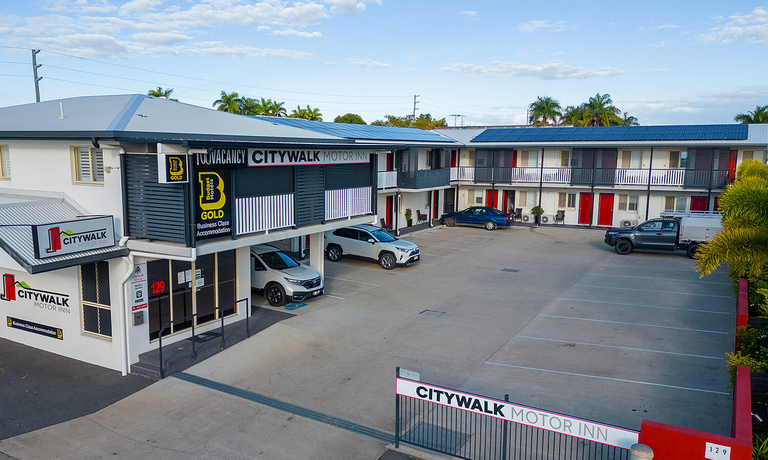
<point x="551" y="316"/>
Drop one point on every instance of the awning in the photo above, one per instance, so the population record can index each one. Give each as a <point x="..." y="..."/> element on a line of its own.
<point x="20" y="213"/>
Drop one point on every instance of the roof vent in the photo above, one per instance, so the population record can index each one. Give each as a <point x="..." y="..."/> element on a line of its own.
<point x="141" y="115"/>
<point x="61" y="109"/>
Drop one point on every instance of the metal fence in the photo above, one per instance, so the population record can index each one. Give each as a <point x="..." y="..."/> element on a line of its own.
<point x="480" y="434"/>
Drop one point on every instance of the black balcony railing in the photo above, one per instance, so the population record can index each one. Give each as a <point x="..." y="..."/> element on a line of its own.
<point x="424" y="178"/>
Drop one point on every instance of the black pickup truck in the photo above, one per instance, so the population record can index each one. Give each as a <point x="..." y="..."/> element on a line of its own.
<point x="675" y="232"/>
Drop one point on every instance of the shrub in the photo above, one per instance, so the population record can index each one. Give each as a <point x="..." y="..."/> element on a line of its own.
<point x="760" y="447"/>
<point x="758" y="295"/>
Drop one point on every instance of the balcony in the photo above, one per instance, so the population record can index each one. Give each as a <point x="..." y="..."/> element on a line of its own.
<point x="424" y="178"/>
<point x="347" y="202"/>
<point x="387" y="179"/>
<point x="257" y="214"/>
<point x="463" y="173"/>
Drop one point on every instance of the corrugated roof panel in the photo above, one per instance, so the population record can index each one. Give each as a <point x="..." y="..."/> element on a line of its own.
<point x="353" y="131"/>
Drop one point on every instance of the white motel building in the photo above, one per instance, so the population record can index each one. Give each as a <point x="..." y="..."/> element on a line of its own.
<point x="124" y="216"/>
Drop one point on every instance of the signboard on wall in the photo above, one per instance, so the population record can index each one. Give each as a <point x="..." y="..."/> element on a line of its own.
<point x="222" y="157"/>
<point x="35" y="328"/>
<point x="213" y="204"/>
<point x="139" y="292"/>
<point x="60" y="238"/>
<point x="172" y="168"/>
<point x="306" y="157"/>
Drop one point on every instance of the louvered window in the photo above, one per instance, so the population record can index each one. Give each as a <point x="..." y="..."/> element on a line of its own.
<point x="89" y="165"/>
<point x="5" y="162"/>
<point x="94" y="288"/>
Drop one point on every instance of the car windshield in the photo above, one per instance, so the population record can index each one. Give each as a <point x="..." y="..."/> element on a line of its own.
<point x="278" y="260"/>
<point x="383" y="236"/>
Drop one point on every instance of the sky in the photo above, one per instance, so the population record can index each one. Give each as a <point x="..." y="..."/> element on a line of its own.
<point x="664" y="62"/>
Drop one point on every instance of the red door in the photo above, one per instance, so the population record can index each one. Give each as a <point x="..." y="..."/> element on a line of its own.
<point x="453" y="158"/>
<point x="491" y="199"/>
<point x="388" y="216"/>
<point x="605" y="212"/>
<point x="390" y="162"/>
<point x="435" y="201"/>
<point x="505" y="202"/>
<point x="732" y="166"/>
<point x="698" y="203"/>
<point x="585" y="207"/>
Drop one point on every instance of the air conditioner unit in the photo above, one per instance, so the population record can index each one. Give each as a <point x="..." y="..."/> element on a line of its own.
<point x="628" y="223"/>
<point x="526" y="217"/>
<point x="544" y="219"/>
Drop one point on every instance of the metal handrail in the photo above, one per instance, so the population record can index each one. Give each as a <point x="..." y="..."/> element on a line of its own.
<point x="193" y="316"/>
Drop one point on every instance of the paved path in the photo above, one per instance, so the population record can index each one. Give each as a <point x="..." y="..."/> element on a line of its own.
<point x="498" y="334"/>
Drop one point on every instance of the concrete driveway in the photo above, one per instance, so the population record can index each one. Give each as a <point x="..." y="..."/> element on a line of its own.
<point x="551" y="316"/>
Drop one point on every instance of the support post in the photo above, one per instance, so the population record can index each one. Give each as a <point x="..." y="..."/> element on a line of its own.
<point x="397" y="411"/>
<point x="711" y="176"/>
<point x="648" y="197"/>
<point x="506" y="428"/>
<point x="34" y="70"/>
<point x="541" y="183"/>
<point x="592" y="189"/>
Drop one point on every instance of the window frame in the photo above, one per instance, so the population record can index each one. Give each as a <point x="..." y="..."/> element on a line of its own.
<point x="97" y="305"/>
<point x="5" y="157"/>
<point x="75" y="154"/>
<point x="628" y="202"/>
<point x="562" y="200"/>
<point x="679" y="159"/>
<point x="565" y="155"/>
<point x="571" y="203"/>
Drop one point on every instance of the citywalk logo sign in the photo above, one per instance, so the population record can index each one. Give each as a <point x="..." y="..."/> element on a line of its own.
<point x="15" y="290"/>
<point x="75" y="236"/>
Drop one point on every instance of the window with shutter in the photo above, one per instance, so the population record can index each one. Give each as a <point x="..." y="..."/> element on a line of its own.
<point x="89" y="165"/>
<point x="5" y="162"/>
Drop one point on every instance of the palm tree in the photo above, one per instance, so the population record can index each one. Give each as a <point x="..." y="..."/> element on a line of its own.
<point x="629" y="120"/>
<point x="743" y="242"/>
<point x="229" y="102"/>
<point x="760" y="115"/>
<point x="271" y="108"/>
<point x="160" y="92"/>
<point x="250" y="106"/>
<point x="308" y="114"/>
<point x="573" y="115"/>
<point x="599" y="111"/>
<point x="545" y="109"/>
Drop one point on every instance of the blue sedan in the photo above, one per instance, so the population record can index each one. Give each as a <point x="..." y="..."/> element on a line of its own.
<point x="478" y="216"/>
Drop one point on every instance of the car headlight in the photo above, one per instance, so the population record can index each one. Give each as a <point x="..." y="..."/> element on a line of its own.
<point x="293" y="281"/>
<point x="612" y="233"/>
<point x="403" y="249"/>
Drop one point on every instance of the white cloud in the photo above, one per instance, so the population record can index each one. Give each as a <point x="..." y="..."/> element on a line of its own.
<point x="546" y="71"/>
<point x="366" y="62"/>
<point x="751" y="28"/>
<point x="470" y="14"/>
<point x="558" y="53"/>
<point x="296" y="33"/>
<point x="160" y="38"/>
<point x="411" y="69"/>
<point x="350" y="6"/>
<point x="655" y="70"/>
<point x="533" y="26"/>
<point x="82" y="6"/>
<point x="263" y="28"/>
<point x="668" y="26"/>
<point x="139" y="6"/>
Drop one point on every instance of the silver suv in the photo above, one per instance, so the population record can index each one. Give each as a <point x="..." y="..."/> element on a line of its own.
<point x="371" y="242"/>
<point x="281" y="278"/>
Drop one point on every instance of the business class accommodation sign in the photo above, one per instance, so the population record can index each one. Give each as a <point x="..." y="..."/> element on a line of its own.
<point x="550" y="421"/>
<point x="60" y="238"/>
<point x="306" y="157"/>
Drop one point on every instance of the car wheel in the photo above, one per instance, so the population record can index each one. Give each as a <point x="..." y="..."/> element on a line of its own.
<point x="387" y="261"/>
<point x="275" y="294"/>
<point x="450" y="222"/>
<point x="691" y="250"/>
<point x="490" y="225"/>
<point x="334" y="253"/>
<point x="623" y="247"/>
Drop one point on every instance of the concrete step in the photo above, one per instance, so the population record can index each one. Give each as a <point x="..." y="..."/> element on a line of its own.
<point x="147" y="370"/>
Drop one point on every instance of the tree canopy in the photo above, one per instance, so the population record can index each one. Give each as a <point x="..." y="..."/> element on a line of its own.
<point x="352" y="118"/>
<point x="544" y="110"/>
<point x="597" y="111"/>
<point x="423" y="121"/>
<point x="759" y="115"/>
<point x="308" y="114"/>
<point x="161" y="92"/>
<point x="229" y="102"/>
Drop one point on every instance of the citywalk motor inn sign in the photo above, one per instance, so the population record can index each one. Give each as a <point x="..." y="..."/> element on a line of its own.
<point x="213" y="204"/>
<point x="14" y="290"/>
<point x="233" y="157"/>
<point x="60" y="238"/>
<point x="550" y="421"/>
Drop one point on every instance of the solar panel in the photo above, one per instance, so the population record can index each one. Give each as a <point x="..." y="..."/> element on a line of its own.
<point x="509" y="135"/>
<point x="580" y="134"/>
<point x="546" y="135"/>
<point x="529" y="135"/>
<point x="351" y="131"/>
<point x="598" y="133"/>
<point x="673" y="133"/>
<point x="694" y="133"/>
<point x="634" y="133"/>
<point x="737" y="132"/>
<point x="654" y="133"/>
<point x="616" y="133"/>
<point x="715" y="132"/>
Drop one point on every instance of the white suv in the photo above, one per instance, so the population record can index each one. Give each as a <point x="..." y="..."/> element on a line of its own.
<point x="371" y="242"/>
<point x="281" y="278"/>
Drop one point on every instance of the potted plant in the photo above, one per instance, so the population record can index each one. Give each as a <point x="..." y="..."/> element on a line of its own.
<point x="536" y="212"/>
<point x="409" y="216"/>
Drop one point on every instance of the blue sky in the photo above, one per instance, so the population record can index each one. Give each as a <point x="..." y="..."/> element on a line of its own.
<point x="663" y="62"/>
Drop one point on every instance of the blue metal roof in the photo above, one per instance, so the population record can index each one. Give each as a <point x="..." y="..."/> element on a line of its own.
<point x="616" y="133"/>
<point x="366" y="132"/>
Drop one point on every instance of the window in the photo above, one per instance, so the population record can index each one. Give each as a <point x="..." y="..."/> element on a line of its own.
<point x="651" y="226"/>
<point x="758" y="155"/>
<point x="675" y="203"/>
<point x="94" y="287"/>
<point x="674" y="159"/>
<point x="627" y="202"/>
<point x="631" y="159"/>
<point x="561" y="199"/>
<point x="572" y="201"/>
<point x="565" y="159"/>
<point x="528" y="159"/>
<point x="5" y="162"/>
<point x="527" y="199"/>
<point x="470" y="197"/>
<point x="89" y="165"/>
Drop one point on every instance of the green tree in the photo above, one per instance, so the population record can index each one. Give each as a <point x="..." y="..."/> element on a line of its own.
<point x="272" y="108"/>
<point x="544" y="110"/>
<point x="425" y="121"/>
<point x="759" y="115"/>
<point x="308" y="114"/>
<point x="160" y="92"/>
<point x="600" y="111"/>
<point x="250" y="106"/>
<point x="392" y="120"/>
<point x="229" y="102"/>
<point x="572" y="115"/>
<point x="743" y="242"/>
<point x="629" y="120"/>
<point x="351" y="118"/>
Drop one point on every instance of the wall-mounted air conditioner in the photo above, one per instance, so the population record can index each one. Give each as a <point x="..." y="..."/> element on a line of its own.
<point x="544" y="219"/>
<point x="628" y="223"/>
<point x="526" y="218"/>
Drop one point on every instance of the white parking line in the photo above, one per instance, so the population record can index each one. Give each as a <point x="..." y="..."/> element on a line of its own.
<point x="634" y="324"/>
<point x="615" y="346"/>
<point x="652" y="290"/>
<point x="335" y="297"/>
<point x="660" y="278"/>
<point x="358" y="267"/>
<point x="610" y="378"/>
<point x="647" y="306"/>
<point x="351" y="281"/>
<point x="655" y="267"/>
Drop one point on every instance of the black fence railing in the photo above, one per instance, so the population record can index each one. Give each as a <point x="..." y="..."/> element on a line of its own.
<point x="191" y="318"/>
<point x="475" y="435"/>
<point x="424" y="178"/>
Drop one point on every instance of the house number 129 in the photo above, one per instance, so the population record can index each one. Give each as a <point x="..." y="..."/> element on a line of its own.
<point x="717" y="452"/>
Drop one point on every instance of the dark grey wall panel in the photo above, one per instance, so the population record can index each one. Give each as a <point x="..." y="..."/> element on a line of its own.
<point x="310" y="194"/>
<point x="153" y="211"/>
<point x="347" y="176"/>
<point x="263" y="181"/>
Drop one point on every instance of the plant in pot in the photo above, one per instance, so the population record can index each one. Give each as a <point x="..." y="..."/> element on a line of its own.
<point x="409" y="216"/>
<point x="536" y="212"/>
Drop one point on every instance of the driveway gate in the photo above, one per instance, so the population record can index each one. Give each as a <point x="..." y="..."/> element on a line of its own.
<point x="474" y="427"/>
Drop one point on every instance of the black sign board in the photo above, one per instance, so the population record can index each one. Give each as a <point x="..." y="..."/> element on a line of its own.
<point x="35" y="328"/>
<point x="213" y="203"/>
<point x="222" y="158"/>
<point x="172" y="169"/>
